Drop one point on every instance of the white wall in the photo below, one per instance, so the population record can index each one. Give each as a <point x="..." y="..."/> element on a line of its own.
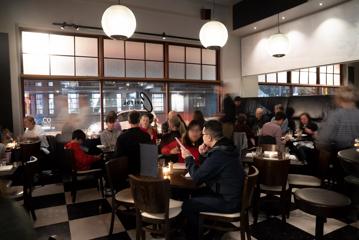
<point x="175" y="17"/>
<point x="327" y="37"/>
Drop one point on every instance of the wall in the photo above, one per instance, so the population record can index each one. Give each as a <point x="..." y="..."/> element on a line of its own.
<point x="329" y="36"/>
<point x="175" y="17"/>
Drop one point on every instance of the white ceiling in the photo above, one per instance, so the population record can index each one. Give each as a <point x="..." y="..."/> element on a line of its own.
<point x="302" y="10"/>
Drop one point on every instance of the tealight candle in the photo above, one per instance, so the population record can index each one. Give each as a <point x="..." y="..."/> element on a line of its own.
<point x="165" y="171"/>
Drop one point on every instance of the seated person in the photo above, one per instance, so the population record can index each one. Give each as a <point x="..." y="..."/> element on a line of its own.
<point x="284" y="126"/>
<point x="242" y="126"/>
<point x="34" y="132"/>
<point x="128" y="143"/>
<point x="110" y="134"/>
<point x="192" y="140"/>
<point x="168" y="144"/>
<point x="260" y="119"/>
<point x="83" y="161"/>
<point x="145" y="126"/>
<point x="220" y="171"/>
<point x="307" y="126"/>
<point x="273" y="128"/>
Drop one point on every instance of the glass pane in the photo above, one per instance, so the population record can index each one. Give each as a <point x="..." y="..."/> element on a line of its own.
<point x="177" y="102"/>
<point x="176" y="70"/>
<point x="323" y="79"/>
<point x="135" y="50"/>
<point x="336" y="80"/>
<point x="193" y="71"/>
<point x="312" y="78"/>
<point x="86" y="46"/>
<point x="271" y="77"/>
<point x="33" y="42"/>
<point x="273" y="91"/>
<point x="154" y="69"/>
<point x="114" y="68"/>
<point x="35" y="64"/>
<point x="313" y="69"/>
<point x="262" y="78"/>
<point x="66" y="106"/>
<point x="295" y="77"/>
<point x="208" y="72"/>
<point x="323" y="69"/>
<point x="305" y="91"/>
<point x="61" y="44"/>
<point x="330" y="68"/>
<point x="86" y="66"/>
<point x="154" y="51"/>
<point x="304" y="77"/>
<point x="337" y="68"/>
<point x="124" y="96"/>
<point x="135" y="68"/>
<point x="282" y="77"/>
<point x="208" y="56"/>
<point x="193" y="55"/>
<point x="176" y="53"/>
<point x="114" y="48"/>
<point x="195" y="97"/>
<point x="330" y="79"/>
<point x="62" y="65"/>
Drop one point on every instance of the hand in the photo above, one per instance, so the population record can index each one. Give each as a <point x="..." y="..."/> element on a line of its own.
<point x="203" y="149"/>
<point x="185" y="153"/>
<point x="308" y="131"/>
<point x="174" y="150"/>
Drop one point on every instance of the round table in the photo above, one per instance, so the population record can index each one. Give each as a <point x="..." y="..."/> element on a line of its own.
<point x="178" y="180"/>
<point x="350" y="161"/>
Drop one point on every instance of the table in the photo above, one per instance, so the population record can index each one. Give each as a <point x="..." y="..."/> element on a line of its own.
<point x="293" y="159"/>
<point x="178" y="180"/>
<point x="8" y="173"/>
<point x="350" y="161"/>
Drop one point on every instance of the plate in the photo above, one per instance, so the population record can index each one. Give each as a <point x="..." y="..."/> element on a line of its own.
<point x="181" y="166"/>
<point x="101" y="146"/>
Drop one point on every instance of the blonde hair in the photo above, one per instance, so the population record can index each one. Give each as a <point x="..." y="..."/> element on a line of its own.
<point x="347" y="94"/>
<point x="31" y="119"/>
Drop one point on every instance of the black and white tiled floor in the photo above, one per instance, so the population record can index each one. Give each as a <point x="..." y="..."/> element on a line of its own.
<point x="89" y="218"/>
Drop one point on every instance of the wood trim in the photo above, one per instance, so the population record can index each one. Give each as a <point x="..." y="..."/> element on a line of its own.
<point x="297" y="85"/>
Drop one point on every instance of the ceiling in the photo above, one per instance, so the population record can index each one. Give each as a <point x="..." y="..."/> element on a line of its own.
<point x="310" y="7"/>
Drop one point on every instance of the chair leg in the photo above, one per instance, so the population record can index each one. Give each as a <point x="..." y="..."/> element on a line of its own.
<point x="247" y="227"/>
<point x="200" y="228"/>
<point x="167" y="230"/>
<point x="74" y="188"/>
<point x="319" y="225"/>
<point x="283" y="200"/>
<point x="114" y="208"/>
<point x="138" y="225"/>
<point x="256" y="206"/>
<point x="243" y="228"/>
<point x="101" y="187"/>
<point x="289" y="200"/>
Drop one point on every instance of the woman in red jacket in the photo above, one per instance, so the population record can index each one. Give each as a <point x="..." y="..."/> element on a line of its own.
<point x="192" y="140"/>
<point x="83" y="161"/>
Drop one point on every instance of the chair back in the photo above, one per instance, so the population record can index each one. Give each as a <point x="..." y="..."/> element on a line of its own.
<point x="266" y="140"/>
<point x="31" y="168"/>
<point x="272" y="172"/>
<point x="117" y="173"/>
<point x="249" y="183"/>
<point x="148" y="156"/>
<point x="269" y="147"/>
<point x="69" y="161"/>
<point x="150" y="194"/>
<point x="240" y="140"/>
<point x="29" y="149"/>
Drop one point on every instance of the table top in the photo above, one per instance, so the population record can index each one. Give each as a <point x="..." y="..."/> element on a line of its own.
<point x="350" y="155"/>
<point x="293" y="159"/>
<point x="178" y="180"/>
<point x="7" y="173"/>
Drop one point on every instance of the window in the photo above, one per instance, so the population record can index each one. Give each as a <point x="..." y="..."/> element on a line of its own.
<point x="39" y="104"/>
<point x="330" y="75"/>
<point x="51" y="104"/>
<point x="95" y="102"/>
<point x="158" y="102"/>
<point x="177" y="102"/>
<point x="118" y="102"/>
<point x="280" y="77"/>
<point x="73" y="102"/>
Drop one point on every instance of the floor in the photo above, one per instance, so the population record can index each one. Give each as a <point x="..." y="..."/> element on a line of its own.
<point x="89" y="218"/>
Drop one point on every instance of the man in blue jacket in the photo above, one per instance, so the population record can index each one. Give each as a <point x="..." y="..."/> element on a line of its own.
<point x="221" y="172"/>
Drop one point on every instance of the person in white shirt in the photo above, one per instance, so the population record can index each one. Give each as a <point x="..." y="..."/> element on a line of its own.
<point x="35" y="132"/>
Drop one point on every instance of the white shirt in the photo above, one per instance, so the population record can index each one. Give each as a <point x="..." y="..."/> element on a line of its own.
<point x="37" y="132"/>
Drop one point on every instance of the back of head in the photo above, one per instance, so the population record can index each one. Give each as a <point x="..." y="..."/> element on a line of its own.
<point x="214" y="129"/>
<point x="346" y="94"/>
<point x="175" y="121"/>
<point x="278" y="108"/>
<point x="134" y="117"/>
<point x="242" y="119"/>
<point x="78" y="135"/>
<point x="110" y="118"/>
<point x="279" y="116"/>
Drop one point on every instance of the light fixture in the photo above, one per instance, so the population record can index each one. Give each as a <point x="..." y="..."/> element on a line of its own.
<point x="163" y="36"/>
<point x="62" y="27"/>
<point x="283" y="18"/>
<point x="255" y="28"/>
<point x="213" y="34"/>
<point x="118" y="22"/>
<point x="278" y="44"/>
<point x="320" y="4"/>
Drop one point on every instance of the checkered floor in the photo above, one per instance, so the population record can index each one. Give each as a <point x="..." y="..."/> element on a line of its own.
<point x="89" y="218"/>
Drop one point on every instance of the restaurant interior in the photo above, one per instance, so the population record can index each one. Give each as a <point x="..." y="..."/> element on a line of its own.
<point x="179" y="119"/>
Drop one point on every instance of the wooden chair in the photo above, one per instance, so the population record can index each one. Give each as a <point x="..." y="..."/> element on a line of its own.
<point x="269" y="147"/>
<point x="117" y="174"/>
<point x="153" y="205"/>
<point x="242" y="216"/>
<point x="266" y="140"/>
<point x="28" y="150"/>
<point x="272" y="180"/>
<point x="75" y="175"/>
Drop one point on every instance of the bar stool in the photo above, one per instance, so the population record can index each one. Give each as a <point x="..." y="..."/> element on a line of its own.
<point x="323" y="204"/>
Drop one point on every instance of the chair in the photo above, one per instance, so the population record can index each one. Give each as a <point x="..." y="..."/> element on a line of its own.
<point x="266" y="140"/>
<point x="24" y="192"/>
<point x="242" y="216"/>
<point x="153" y="205"/>
<point x="117" y="174"/>
<point x="29" y="149"/>
<point x="241" y="142"/>
<point x="75" y="174"/>
<point x="269" y="147"/>
<point x="272" y="180"/>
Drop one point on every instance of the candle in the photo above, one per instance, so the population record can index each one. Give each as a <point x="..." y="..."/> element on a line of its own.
<point x="165" y="171"/>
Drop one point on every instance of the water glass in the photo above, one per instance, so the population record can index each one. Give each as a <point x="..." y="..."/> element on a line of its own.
<point x="258" y="151"/>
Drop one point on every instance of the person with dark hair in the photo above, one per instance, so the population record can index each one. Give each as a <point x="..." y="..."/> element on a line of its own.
<point x="273" y="128"/>
<point x="220" y="171"/>
<point x="128" y="143"/>
<point x="83" y="161"/>
<point x="238" y="106"/>
<point x="291" y="123"/>
<point x="242" y="126"/>
<point x="192" y="140"/>
<point x="110" y="134"/>
<point x="229" y="117"/>
<point x="284" y="125"/>
<point x="307" y="126"/>
<point x="145" y="125"/>
<point x="168" y="144"/>
<point x="198" y="116"/>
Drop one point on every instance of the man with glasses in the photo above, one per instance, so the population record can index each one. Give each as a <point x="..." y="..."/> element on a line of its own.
<point x="221" y="172"/>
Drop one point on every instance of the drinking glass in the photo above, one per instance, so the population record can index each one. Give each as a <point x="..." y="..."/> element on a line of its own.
<point x="356" y="143"/>
<point x="258" y="151"/>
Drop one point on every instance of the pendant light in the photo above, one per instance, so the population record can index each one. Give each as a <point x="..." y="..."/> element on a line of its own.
<point x="278" y="44"/>
<point x="118" y="22"/>
<point x="213" y="34"/>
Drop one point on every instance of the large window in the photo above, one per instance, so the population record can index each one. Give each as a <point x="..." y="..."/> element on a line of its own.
<point x="301" y="82"/>
<point x="72" y="80"/>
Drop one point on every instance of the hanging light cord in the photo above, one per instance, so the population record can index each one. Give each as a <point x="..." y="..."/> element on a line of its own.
<point x="278" y="24"/>
<point x="214" y="6"/>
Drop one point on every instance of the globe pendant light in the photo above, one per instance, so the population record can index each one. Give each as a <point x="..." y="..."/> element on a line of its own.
<point x="278" y="44"/>
<point x="213" y="34"/>
<point x="118" y="22"/>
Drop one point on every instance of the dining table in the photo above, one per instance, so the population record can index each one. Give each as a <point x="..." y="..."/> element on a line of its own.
<point x="178" y="177"/>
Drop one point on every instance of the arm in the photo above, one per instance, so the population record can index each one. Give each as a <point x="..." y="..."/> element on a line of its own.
<point x="169" y="148"/>
<point x="83" y="158"/>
